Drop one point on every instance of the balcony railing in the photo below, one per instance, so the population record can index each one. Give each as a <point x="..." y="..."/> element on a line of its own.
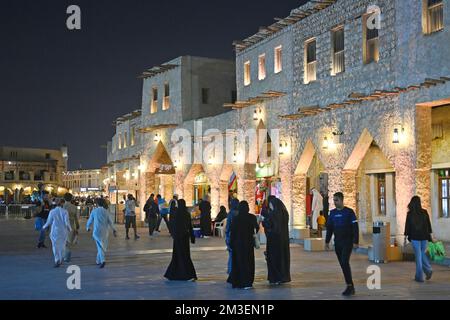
<point x="311" y="72"/>
<point x="338" y="63"/>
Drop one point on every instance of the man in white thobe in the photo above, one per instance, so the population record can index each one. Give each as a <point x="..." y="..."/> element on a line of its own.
<point x="74" y="224"/>
<point x="316" y="207"/>
<point x="58" y="219"/>
<point x="102" y="223"/>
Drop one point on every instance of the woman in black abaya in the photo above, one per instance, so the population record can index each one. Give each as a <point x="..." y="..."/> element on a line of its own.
<point x="276" y="226"/>
<point x="243" y="228"/>
<point x="181" y="267"/>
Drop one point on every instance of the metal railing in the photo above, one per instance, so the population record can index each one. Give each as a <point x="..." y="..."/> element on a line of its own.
<point x="17" y="211"/>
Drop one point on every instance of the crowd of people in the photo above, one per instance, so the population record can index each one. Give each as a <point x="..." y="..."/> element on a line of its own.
<point x="241" y="232"/>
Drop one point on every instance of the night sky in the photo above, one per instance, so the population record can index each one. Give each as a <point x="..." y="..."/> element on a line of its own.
<point x="66" y="87"/>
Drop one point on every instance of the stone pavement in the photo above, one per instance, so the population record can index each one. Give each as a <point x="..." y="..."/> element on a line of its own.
<point x="135" y="270"/>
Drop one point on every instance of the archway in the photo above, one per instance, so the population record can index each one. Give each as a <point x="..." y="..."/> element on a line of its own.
<point x="369" y="184"/>
<point x="309" y="174"/>
<point x="196" y="185"/>
<point x="228" y="185"/>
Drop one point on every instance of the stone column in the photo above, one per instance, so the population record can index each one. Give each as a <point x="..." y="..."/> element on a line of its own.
<point x="349" y="188"/>
<point x="223" y="194"/>
<point x="299" y="201"/>
<point x="423" y="155"/>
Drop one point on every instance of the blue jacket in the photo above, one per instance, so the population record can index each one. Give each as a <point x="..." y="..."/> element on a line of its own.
<point x="344" y="225"/>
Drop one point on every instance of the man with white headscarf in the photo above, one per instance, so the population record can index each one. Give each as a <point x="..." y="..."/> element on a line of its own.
<point x="102" y="223"/>
<point x="317" y="207"/>
<point x="58" y="219"/>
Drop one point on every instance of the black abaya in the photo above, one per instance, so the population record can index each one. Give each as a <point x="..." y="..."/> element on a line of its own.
<point x="278" y="253"/>
<point x="181" y="267"/>
<point x="205" y="218"/>
<point x="243" y="228"/>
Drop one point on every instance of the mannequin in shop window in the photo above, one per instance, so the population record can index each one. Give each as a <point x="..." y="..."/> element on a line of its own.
<point x="316" y="207"/>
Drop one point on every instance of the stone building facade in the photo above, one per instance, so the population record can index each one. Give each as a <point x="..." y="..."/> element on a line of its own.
<point x="359" y="92"/>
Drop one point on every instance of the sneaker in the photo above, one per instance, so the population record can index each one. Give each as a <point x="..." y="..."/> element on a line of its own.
<point x="418" y="280"/>
<point x="429" y="275"/>
<point x="206" y="237"/>
<point x="102" y="265"/>
<point x="192" y="280"/>
<point x="57" y="265"/>
<point x="350" y="291"/>
<point x="136" y="237"/>
<point x="248" y="288"/>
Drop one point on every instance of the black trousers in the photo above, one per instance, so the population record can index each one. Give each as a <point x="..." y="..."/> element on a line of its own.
<point x="344" y="252"/>
<point x="166" y="220"/>
<point x="152" y="221"/>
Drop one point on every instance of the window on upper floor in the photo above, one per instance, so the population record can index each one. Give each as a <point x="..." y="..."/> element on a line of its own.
<point x="278" y="60"/>
<point x="205" y="95"/>
<point x="247" y="75"/>
<point x="433" y="16"/>
<point x="154" y="103"/>
<point x="166" y="101"/>
<point x="119" y="141"/>
<point x="338" y="51"/>
<point x="262" y="67"/>
<point x="371" y="46"/>
<point x="310" y="61"/>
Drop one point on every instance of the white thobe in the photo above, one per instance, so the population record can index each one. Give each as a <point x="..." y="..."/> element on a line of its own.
<point x="317" y="206"/>
<point x="58" y="219"/>
<point x="102" y="223"/>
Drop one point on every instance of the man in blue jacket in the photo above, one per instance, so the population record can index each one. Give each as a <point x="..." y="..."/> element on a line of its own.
<point x="343" y="223"/>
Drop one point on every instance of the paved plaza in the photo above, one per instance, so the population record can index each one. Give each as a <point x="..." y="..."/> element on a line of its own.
<point x="135" y="270"/>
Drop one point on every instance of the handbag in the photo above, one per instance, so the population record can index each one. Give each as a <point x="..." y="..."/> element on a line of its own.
<point x="256" y="241"/>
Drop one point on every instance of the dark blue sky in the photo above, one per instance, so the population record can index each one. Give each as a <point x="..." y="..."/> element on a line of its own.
<point x="59" y="86"/>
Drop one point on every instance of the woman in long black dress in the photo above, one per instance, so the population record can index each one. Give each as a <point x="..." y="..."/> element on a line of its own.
<point x="205" y="217"/>
<point x="243" y="228"/>
<point x="181" y="267"/>
<point x="276" y="226"/>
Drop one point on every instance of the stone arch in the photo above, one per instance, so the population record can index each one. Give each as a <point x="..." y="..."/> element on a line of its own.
<point x="360" y="185"/>
<point x="189" y="181"/>
<point x="300" y="182"/>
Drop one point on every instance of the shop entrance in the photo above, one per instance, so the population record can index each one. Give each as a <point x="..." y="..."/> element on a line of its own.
<point x="202" y="187"/>
<point x="267" y="184"/>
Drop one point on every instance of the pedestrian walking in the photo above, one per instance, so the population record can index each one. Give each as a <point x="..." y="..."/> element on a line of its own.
<point x="74" y="225"/>
<point x="276" y="226"/>
<point x="343" y="224"/>
<point x="58" y="220"/>
<point x="130" y="216"/>
<point x="243" y="229"/>
<point x="102" y="222"/>
<point x="181" y="267"/>
<point x="151" y="214"/>
<point x="44" y="207"/>
<point x="419" y="232"/>
<point x="205" y="217"/>
<point x="234" y="207"/>
<point x="163" y="213"/>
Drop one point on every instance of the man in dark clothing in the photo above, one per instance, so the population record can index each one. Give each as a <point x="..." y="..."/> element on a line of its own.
<point x="151" y="210"/>
<point x="343" y="223"/>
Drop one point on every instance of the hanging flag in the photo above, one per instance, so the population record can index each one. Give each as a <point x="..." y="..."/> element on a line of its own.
<point x="232" y="181"/>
